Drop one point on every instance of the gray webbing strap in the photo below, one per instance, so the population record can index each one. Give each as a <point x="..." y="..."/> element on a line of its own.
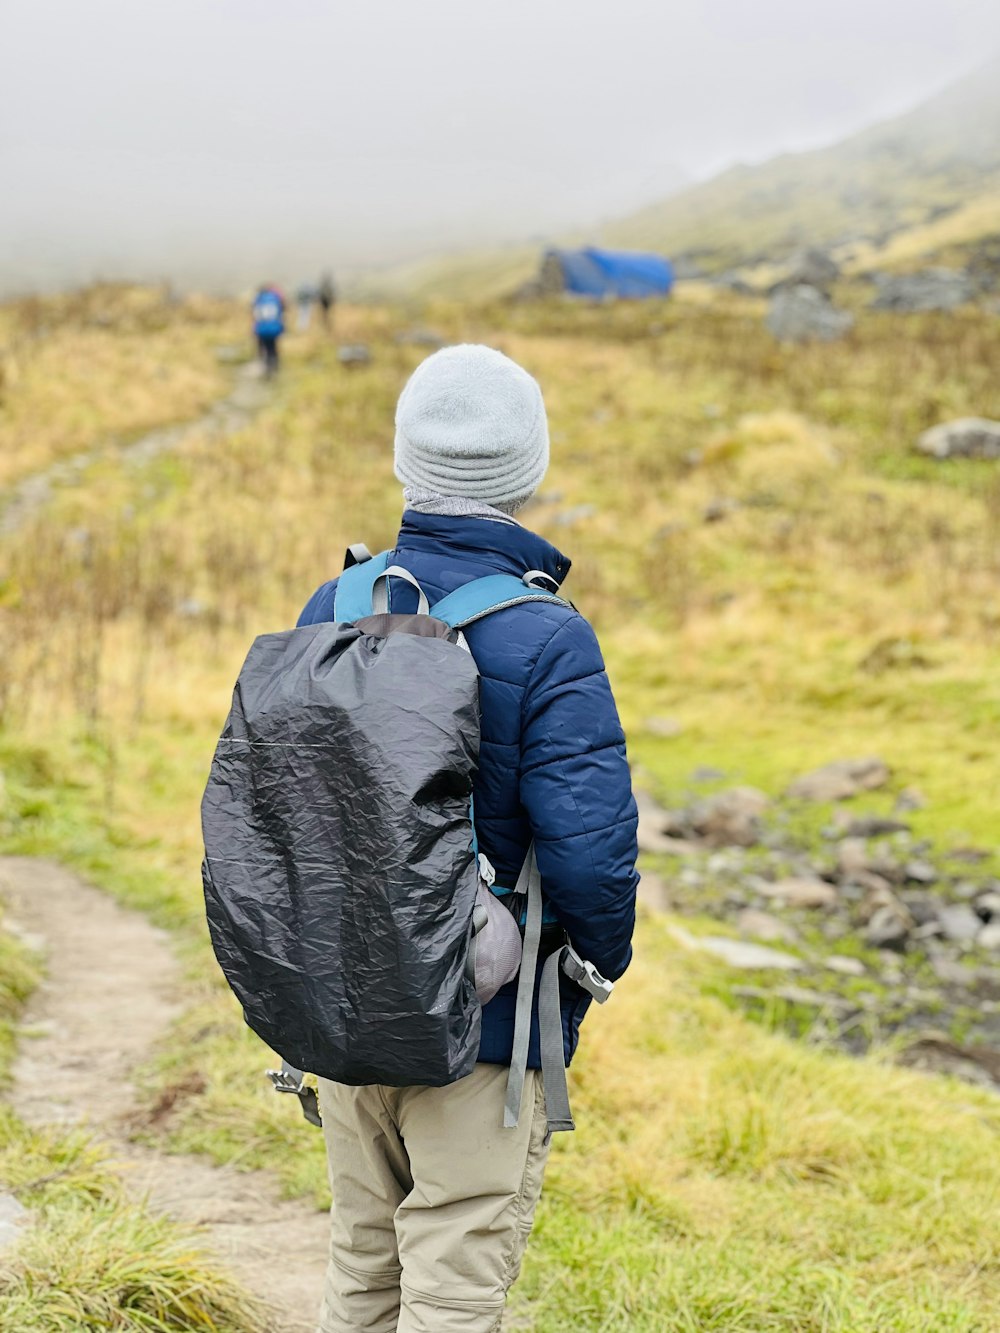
<point x="529" y="882"/>
<point x="557" y="1113"/>
<point x="380" y="590"/>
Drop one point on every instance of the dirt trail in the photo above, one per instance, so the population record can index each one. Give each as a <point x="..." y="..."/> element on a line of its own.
<point x="113" y="987"/>
<point x="33" y="492"/>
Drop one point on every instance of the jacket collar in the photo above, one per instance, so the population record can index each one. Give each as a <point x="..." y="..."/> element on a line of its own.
<point x="508" y="547"/>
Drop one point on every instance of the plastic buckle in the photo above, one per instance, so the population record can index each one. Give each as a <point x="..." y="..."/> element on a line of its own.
<point x="586" y="976"/>
<point x="533" y="577"/>
<point x="284" y="1082"/>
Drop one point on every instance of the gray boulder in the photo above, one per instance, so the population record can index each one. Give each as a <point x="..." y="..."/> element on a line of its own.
<point x="804" y="314"/>
<point x="810" y="267"/>
<point x="934" y="289"/>
<point x="967" y="437"/>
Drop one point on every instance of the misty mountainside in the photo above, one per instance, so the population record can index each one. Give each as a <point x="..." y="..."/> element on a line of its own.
<point x="934" y="171"/>
<point x="918" y="190"/>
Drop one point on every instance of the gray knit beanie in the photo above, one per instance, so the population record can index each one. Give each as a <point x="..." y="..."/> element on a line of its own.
<point x="470" y="422"/>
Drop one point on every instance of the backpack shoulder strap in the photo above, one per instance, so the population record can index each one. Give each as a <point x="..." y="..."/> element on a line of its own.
<point x="353" y="598"/>
<point x="483" y="596"/>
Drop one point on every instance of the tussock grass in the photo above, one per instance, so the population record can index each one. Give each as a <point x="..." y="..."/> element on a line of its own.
<point x="110" y="1266"/>
<point x="100" y="367"/>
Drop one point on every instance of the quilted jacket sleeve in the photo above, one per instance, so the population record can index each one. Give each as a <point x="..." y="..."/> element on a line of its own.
<point x="577" y="792"/>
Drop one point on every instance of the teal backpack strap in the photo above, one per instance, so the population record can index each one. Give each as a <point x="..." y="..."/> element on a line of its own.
<point x="483" y="596"/>
<point x="353" y="598"/>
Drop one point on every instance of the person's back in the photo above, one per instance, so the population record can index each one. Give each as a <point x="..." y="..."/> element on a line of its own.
<point x="326" y="294"/>
<point x="433" y="1197"/>
<point x="268" y="316"/>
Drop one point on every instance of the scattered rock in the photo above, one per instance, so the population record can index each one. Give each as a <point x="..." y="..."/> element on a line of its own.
<point x="420" y="338"/>
<point x="764" y="926"/>
<point x="13" y="1216"/>
<point x="910" y="798"/>
<point x="989" y="936"/>
<point x="934" y="289"/>
<point x="920" y="872"/>
<point x="354" y="355"/>
<point x="652" y="825"/>
<point x="968" y="437"/>
<point x="738" y="953"/>
<point x="834" y="1004"/>
<point x="973" y="1064"/>
<point x="845" y="965"/>
<point x="706" y="773"/>
<point x="801" y="892"/>
<point x="951" y="972"/>
<point x="730" y="818"/>
<point x="887" y="930"/>
<point x="922" y="907"/>
<point x="840" y="780"/>
<point x="959" y="923"/>
<point x="810" y="267"/>
<point x="716" y="510"/>
<point x="804" y="314"/>
<point x="874" y="826"/>
<point x="653" y="891"/>
<point x="853" y="858"/>
<point x="666" y="727"/>
<point x="575" y="514"/>
<point x="987" y="906"/>
<point x="968" y="855"/>
<point x="880" y="897"/>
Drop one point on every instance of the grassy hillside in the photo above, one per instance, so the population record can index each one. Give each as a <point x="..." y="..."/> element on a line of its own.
<point x="919" y="189"/>
<point x="895" y="176"/>
<point x="724" y="1177"/>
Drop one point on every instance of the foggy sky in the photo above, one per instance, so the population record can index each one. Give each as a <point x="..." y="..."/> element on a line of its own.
<point x="147" y="136"/>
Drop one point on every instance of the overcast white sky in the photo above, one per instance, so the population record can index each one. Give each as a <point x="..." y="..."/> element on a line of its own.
<point x="135" y="130"/>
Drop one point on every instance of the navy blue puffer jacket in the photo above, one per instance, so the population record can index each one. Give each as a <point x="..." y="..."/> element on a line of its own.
<point x="552" y="760"/>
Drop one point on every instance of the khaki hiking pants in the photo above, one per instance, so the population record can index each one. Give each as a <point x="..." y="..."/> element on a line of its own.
<point x="433" y="1203"/>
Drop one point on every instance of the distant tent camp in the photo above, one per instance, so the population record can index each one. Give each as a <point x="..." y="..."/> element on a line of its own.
<point x="606" y="273"/>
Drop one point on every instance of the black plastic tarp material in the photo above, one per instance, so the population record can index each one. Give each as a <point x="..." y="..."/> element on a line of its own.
<point x="339" y="878"/>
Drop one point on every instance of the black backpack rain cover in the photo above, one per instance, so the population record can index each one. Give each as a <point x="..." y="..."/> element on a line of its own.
<point x="339" y="877"/>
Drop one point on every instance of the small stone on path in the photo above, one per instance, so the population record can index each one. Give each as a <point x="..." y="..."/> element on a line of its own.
<point x="13" y="1215"/>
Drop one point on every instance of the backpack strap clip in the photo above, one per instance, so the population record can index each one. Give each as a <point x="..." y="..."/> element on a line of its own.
<point x="290" y="1079"/>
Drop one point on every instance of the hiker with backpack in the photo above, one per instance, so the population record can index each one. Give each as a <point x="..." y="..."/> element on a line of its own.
<point x="268" y="326"/>
<point x="420" y="860"/>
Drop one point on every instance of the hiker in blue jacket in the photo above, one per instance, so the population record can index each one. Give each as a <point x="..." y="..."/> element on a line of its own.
<point x="433" y="1197"/>
<point x="268" y="326"/>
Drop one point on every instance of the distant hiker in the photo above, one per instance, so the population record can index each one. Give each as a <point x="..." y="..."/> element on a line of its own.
<point x="420" y="860"/>
<point x="327" y="295"/>
<point x="306" y="297"/>
<point x="268" y="326"/>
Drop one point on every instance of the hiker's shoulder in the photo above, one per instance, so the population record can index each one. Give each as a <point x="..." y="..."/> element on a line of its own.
<point x="319" y="607"/>
<point x="535" y="636"/>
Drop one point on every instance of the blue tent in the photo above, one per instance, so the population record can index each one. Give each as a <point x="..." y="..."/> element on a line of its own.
<point x="603" y="273"/>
